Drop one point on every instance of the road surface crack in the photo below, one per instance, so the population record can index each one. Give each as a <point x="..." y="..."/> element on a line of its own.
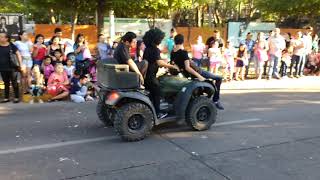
<point x="265" y="146"/>
<point x="193" y="156"/>
<point x="108" y="171"/>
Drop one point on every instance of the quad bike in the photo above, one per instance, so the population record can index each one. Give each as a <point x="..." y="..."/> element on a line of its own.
<point x="128" y="108"/>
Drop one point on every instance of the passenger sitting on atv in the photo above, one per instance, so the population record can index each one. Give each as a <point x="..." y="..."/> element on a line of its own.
<point x="152" y="39"/>
<point x="180" y="57"/>
<point x="122" y="55"/>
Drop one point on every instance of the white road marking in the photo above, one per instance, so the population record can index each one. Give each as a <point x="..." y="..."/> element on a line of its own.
<point x="237" y="122"/>
<point x="55" y="145"/>
<point x="83" y="141"/>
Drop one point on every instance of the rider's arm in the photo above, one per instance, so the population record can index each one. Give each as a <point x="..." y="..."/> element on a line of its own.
<point x="162" y="63"/>
<point x="190" y="70"/>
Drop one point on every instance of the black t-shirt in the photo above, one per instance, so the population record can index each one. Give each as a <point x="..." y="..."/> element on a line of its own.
<point x="152" y="55"/>
<point x="75" y="87"/>
<point x="210" y="39"/>
<point x="179" y="57"/>
<point x="5" y="57"/>
<point x="241" y="53"/>
<point x="121" y="54"/>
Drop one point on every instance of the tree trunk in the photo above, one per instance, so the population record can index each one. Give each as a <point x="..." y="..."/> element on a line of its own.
<point x="73" y="25"/>
<point x="239" y="11"/>
<point x="217" y="17"/>
<point x="100" y="15"/>
<point x="313" y="23"/>
<point x="53" y="19"/>
<point x="199" y="8"/>
<point x="202" y="15"/>
<point x="251" y="11"/>
<point x="210" y="15"/>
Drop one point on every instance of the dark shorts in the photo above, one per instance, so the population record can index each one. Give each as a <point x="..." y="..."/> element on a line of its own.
<point x="37" y="62"/>
<point x="239" y="63"/>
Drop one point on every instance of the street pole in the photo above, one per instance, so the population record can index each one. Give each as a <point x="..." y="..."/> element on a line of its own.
<point x="111" y="25"/>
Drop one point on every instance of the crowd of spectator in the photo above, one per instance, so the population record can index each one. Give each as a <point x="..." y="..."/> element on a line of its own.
<point x="298" y="53"/>
<point x="47" y="68"/>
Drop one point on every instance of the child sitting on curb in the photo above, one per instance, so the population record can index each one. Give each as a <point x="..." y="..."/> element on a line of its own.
<point x="69" y="68"/>
<point x="47" y="68"/>
<point x="36" y="83"/>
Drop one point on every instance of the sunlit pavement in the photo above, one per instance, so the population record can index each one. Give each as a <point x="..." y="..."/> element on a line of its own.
<point x="306" y="82"/>
<point x="261" y="135"/>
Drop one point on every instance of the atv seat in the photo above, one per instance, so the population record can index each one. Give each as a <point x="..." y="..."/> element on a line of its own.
<point x="171" y="85"/>
<point x="117" y="76"/>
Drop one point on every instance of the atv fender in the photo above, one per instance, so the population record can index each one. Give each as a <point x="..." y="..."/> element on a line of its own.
<point x="184" y="96"/>
<point x="133" y="96"/>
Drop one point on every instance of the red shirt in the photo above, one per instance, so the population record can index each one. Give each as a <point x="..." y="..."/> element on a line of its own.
<point x="41" y="53"/>
<point x="133" y="52"/>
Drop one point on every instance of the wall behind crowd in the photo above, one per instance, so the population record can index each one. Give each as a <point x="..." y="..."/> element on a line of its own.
<point x="191" y="34"/>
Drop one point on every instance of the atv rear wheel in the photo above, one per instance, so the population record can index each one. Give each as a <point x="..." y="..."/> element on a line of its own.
<point x="133" y="121"/>
<point x="104" y="113"/>
<point x="201" y="113"/>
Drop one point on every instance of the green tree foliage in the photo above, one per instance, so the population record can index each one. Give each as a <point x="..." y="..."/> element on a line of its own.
<point x="192" y="12"/>
<point x="282" y="9"/>
<point x="12" y="6"/>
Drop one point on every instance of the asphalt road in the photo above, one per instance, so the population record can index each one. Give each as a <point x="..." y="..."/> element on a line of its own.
<point x="260" y="136"/>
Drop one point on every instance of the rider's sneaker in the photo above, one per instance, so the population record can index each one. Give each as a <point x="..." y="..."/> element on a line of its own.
<point x="162" y="115"/>
<point x="219" y="105"/>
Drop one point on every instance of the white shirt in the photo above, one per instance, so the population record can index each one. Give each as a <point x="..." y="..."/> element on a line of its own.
<point x="307" y="41"/>
<point x="24" y="48"/>
<point x="69" y="70"/>
<point x="276" y="45"/>
<point x="298" y="50"/>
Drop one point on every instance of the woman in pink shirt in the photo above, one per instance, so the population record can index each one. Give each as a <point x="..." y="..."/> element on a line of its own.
<point x="197" y="51"/>
<point x="58" y="83"/>
<point x="261" y="54"/>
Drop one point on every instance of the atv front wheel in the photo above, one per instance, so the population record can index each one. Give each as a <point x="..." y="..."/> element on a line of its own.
<point x="104" y="113"/>
<point x="201" y="114"/>
<point x="133" y="121"/>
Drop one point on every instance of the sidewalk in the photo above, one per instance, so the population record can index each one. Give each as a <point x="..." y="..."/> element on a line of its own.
<point x="304" y="83"/>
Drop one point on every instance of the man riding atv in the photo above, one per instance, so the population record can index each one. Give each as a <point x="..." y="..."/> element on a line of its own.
<point x="122" y="55"/>
<point x="180" y="57"/>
